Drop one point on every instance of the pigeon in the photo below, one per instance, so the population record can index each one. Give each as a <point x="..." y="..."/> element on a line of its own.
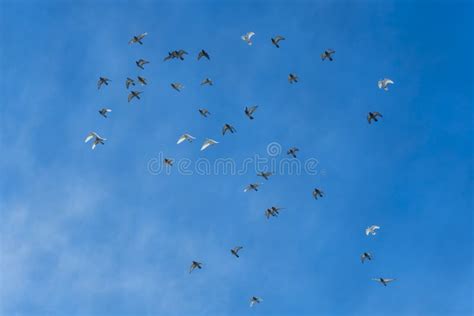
<point x="206" y="81"/>
<point x="372" y="230"/>
<point x="373" y="116"/>
<point x="195" y="265"/>
<point x="292" y="151"/>
<point x="255" y="300"/>
<point x="228" y="127"/>
<point x="276" y="40"/>
<point x="248" y="37"/>
<point x="208" y="142"/>
<point x="168" y="162"/>
<point x="317" y="192"/>
<point x="102" y="80"/>
<point x="235" y="251"/>
<point x="97" y="139"/>
<point x="138" y="39"/>
<point x="104" y="112"/>
<point x="364" y="256"/>
<point x="252" y="186"/>
<point x="203" y="53"/>
<point x="129" y="82"/>
<point x="204" y="112"/>
<point x="134" y="94"/>
<point x="292" y="78"/>
<point x="141" y="62"/>
<point x="272" y="211"/>
<point x="383" y="84"/>
<point x="264" y="175"/>
<point x="328" y="54"/>
<point x="250" y="110"/>
<point x="177" y="86"/>
<point x="384" y="281"/>
<point x="184" y="137"/>
<point x="142" y="80"/>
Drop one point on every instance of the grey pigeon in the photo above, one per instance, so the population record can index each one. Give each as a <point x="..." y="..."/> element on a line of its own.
<point x="276" y="40"/>
<point x="134" y="94"/>
<point x="373" y="116"/>
<point x="138" y="39"/>
<point x="228" y="127"/>
<point x="292" y="151"/>
<point x="141" y="62"/>
<point x="102" y="80"/>
<point x="292" y="78"/>
<point x="250" y="110"/>
<point x="327" y="54"/>
<point x="203" y="53"/>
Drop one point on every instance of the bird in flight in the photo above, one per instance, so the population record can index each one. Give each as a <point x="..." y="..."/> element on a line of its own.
<point x="204" y="112"/>
<point x="168" y="162"/>
<point x="206" y="81"/>
<point x="248" y="37"/>
<point x="208" y="142"/>
<point x="327" y="54"/>
<point x="195" y="265"/>
<point x="365" y="256"/>
<point x="102" y="80"/>
<point x="252" y="186"/>
<point x="235" y="251"/>
<point x="264" y="175"/>
<point x="138" y="39"/>
<point x="292" y="78"/>
<point x="317" y="192"/>
<point x="250" y="110"/>
<point x="383" y="84"/>
<point x="176" y="54"/>
<point x="255" y="300"/>
<point x="384" y="281"/>
<point x="203" y="53"/>
<point x="373" y="116"/>
<point x="292" y="151"/>
<point x="276" y="40"/>
<point x="184" y="137"/>
<point x="177" y="86"/>
<point x="272" y="211"/>
<point x="228" y="127"/>
<point x="372" y="230"/>
<point x="141" y="62"/>
<point x="104" y="112"/>
<point x="141" y="80"/>
<point x="129" y="82"/>
<point x="134" y="94"/>
<point x="97" y="139"/>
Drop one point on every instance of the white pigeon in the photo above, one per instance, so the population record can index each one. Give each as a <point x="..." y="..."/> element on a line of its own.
<point x="97" y="140"/>
<point x="208" y="142"/>
<point x="184" y="137"/>
<point x="383" y="84"/>
<point x="372" y="230"/>
<point x="384" y="281"/>
<point x="255" y="300"/>
<point x="248" y="37"/>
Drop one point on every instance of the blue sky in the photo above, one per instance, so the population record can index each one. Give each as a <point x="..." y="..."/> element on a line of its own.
<point x="95" y="233"/>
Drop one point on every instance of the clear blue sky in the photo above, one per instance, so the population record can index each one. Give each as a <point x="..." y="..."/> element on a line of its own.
<point x="94" y="233"/>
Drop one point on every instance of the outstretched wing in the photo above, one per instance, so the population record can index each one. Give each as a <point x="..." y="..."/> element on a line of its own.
<point x="90" y="136"/>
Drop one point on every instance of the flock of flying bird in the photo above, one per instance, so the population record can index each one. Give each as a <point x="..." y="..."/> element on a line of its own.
<point x="249" y="112"/>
